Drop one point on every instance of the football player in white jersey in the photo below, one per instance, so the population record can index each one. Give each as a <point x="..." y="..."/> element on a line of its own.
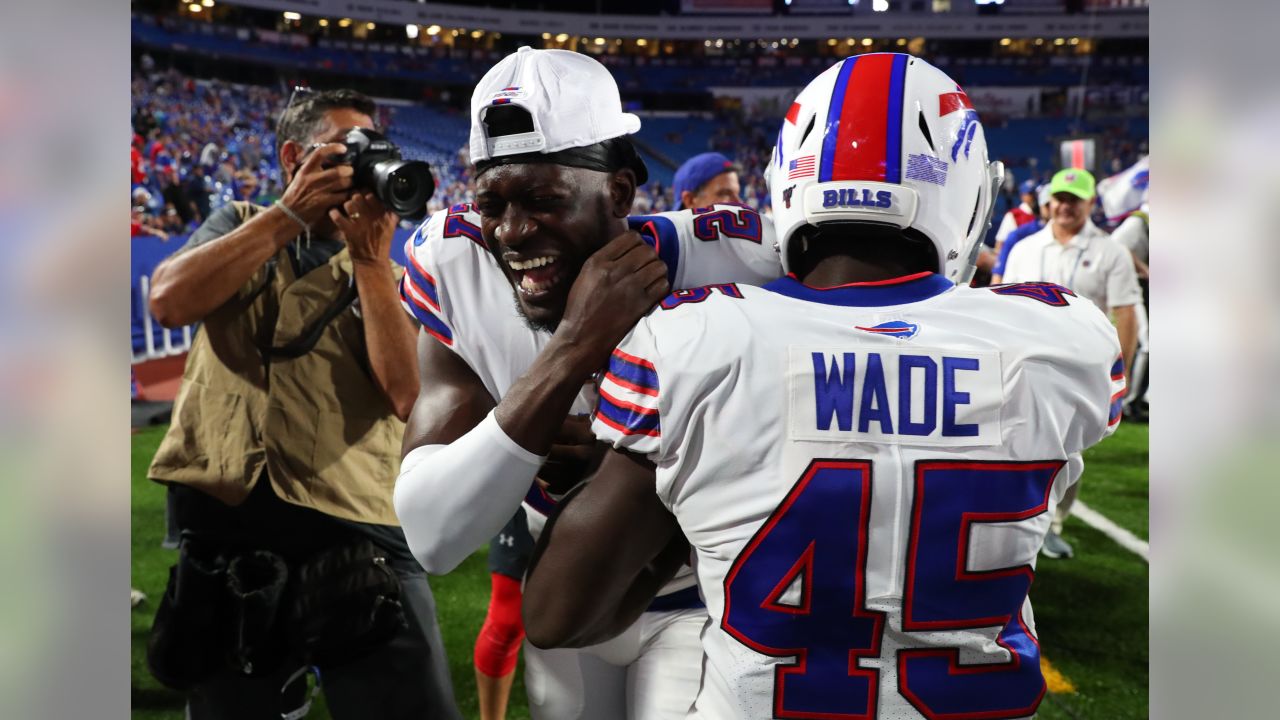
<point x="864" y="455"/>
<point x="506" y="385"/>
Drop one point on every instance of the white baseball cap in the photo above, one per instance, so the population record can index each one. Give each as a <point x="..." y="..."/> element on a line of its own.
<point x="573" y="100"/>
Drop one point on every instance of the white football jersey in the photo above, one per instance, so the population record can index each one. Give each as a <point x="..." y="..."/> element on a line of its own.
<point x="866" y="474"/>
<point x="454" y="286"/>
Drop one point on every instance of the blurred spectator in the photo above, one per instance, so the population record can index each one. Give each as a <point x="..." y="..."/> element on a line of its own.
<point x="1021" y="215"/>
<point x="706" y="179"/>
<point x="198" y="190"/>
<point x="1073" y="252"/>
<point x="1021" y="232"/>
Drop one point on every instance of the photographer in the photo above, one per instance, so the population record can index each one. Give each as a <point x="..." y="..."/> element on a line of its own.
<point x="284" y="450"/>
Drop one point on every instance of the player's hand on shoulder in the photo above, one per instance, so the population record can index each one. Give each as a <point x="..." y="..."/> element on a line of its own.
<point x="618" y="284"/>
<point x="574" y="455"/>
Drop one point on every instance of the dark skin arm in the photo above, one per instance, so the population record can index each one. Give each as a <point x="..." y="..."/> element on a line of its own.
<point x="615" y="538"/>
<point x="191" y="284"/>
<point x="389" y="335"/>
<point x="451" y="398"/>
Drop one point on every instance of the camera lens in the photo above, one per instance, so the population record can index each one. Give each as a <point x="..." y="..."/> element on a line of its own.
<point x="404" y="187"/>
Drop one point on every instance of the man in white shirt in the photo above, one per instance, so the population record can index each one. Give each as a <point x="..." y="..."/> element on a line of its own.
<point x="1073" y="252"/>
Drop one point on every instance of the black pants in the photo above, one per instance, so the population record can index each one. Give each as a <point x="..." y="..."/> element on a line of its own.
<point x="406" y="678"/>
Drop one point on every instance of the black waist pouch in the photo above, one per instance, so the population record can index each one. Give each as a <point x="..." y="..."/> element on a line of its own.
<point x="253" y="612"/>
<point x="187" y="642"/>
<point x="346" y="603"/>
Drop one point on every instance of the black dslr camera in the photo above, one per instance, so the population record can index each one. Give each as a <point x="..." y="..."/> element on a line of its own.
<point x="404" y="186"/>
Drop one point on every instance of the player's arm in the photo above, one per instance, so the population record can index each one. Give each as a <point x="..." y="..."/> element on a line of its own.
<point x="1124" y="293"/>
<point x="602" y="557"/>
<point x="1126" y="321"/>
<point x="455" y="469"/>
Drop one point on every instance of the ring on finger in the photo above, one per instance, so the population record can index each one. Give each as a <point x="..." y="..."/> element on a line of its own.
<point x="355" y="216"/>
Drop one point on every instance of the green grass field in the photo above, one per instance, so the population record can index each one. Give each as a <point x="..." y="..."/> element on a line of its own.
<point x="1091" y="611"/>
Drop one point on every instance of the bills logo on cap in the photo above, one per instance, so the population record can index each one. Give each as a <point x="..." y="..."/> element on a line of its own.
<point x="503" y="96"/>
<point x="1070" y="177"/>
<point x="893" y="328"/>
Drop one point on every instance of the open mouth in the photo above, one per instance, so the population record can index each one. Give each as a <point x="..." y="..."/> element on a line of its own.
<point x="536" y="277"/>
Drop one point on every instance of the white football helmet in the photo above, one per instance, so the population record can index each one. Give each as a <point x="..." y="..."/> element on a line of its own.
<point x="886" y="138"/>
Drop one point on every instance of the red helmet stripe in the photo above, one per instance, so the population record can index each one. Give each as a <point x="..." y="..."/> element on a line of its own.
<point x="862" y="135"/>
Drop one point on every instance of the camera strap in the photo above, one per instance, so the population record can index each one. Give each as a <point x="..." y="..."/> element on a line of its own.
<point x="307" y="339"/>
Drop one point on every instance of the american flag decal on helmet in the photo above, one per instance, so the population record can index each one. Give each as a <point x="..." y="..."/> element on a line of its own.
<point x="801" y="167"/>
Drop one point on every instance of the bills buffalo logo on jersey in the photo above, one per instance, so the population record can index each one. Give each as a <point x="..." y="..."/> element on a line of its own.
<point x="958" y="101"/>
<point x="893" y="328"/>
<point x="503" y="96"/>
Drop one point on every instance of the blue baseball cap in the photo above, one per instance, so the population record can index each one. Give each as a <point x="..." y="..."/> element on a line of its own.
<point x="1028" y="187"/>
<point x="698" y="171"/>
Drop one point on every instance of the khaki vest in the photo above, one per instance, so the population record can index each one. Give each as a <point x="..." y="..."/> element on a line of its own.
<point x="319" y="424"/>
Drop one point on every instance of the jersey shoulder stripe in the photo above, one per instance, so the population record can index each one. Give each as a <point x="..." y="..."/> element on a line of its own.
<point x="424" y="281"/>
<point x="415" y="301"/>
<point x="1119" y="390"/>
<point x="633" y="373"/>
<point x="627" y="418"/>
<point x="661" y="234"/>
<point x="628" y="396"/>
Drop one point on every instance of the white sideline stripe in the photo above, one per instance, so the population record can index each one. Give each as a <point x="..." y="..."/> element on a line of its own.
<point x="1103" y="524"/>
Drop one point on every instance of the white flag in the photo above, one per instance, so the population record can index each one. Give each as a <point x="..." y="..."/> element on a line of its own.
<point x="1125" y="192"/>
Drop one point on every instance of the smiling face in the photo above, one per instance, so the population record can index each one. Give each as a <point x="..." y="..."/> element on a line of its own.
<point x="542" y="221"/>
<point x="1069" y="212"/>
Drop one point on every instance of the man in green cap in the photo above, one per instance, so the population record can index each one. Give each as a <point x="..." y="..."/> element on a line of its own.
<point x="1073" y="252"/>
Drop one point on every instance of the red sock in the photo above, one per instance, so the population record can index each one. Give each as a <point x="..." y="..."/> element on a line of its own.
<point x="498" y="644"/>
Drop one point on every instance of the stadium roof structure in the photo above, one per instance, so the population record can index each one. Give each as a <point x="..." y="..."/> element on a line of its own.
<point x="952" y="25"/>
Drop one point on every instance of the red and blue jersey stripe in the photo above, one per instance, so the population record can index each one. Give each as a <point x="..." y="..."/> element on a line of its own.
<point x="423" y="281"/>
<point x="1117" y="370"/>
<point x="418" y="302"/>
<point x="627" y="418"/>
<point x="863" y="138"/>
<point x="628" y="396"/>
<point x="1119" y="384"/>
<point x="633" y="373"/>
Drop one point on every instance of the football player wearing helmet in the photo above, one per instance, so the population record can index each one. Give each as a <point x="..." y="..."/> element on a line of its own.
<point x="865" y="454"/>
